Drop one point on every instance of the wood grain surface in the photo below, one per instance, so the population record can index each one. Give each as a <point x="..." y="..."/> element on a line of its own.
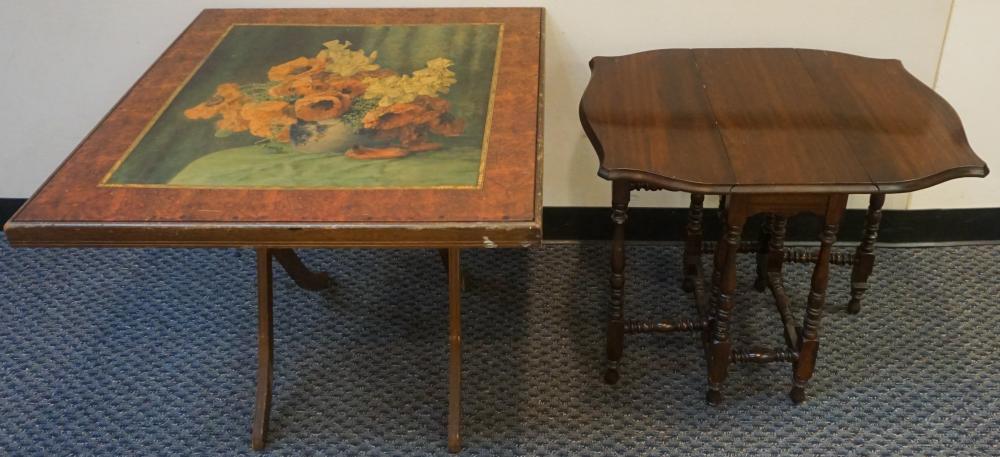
<point x="771" y="121"/>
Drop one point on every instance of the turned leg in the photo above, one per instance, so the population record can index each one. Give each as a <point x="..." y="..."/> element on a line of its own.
<point x="299" y="272"/>
<point x="776" y="243"/>
<point x="692" y="242"/>
<point x="455" y="354"/>
<point x="616" y="322"/>
<point x="265" y="299"/>
<point x="760" y="284"/>
<point x="864" y="258"/>
<point x="809" y="337"/>
<point x="775" y="262"/>
<point x="718" y="259"/>
<point x="720" y="347"/>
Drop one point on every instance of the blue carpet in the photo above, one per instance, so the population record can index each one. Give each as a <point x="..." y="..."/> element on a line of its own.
<point x="152" y="352"/>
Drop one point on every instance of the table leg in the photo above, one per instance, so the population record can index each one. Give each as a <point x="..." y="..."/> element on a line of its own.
<point x="809" y="337"/>
<point x="763" y="242"/>
<point x="444" y="260"/>
<point x="864" y="259"/>
<point x="299" y="272"/>
<point x="724" y="278"/>
<point x="775" y="263"/>
<point x="692" y="242"/>
<point x="265" y="300"/>
<point x="621" y="192"/>
<point x="455" y="355"/>
<point x="777" y="225"/>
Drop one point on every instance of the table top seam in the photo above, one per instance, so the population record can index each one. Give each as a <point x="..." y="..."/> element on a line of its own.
<point x="822" y="95"/>
<point x="715" y="119"/>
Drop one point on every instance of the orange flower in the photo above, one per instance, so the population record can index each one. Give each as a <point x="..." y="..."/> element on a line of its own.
<point x="409" y="123"/>
<point x="318" y="83"/>
<point x="447" y="125"/>
<point x="232" y="121"/>
<point x="225" y="96"/>
<point x="293" y="87"/>
<point x="430" y="111"/>
<point x="269" y="119"/>
<point x="396" y="116"/>
<point x="297" y="68"/>
<point x="364" y="153"/>
<point x="227" y="102"/>
<point x="350" y="87"/>
<point x="322" y="106"/>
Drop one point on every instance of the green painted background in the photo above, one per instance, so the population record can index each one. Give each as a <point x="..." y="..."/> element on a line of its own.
<point x="248" y="52"/>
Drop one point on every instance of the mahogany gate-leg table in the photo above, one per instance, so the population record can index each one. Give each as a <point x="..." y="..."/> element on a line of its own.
<point x="277" y="129"/>
<point x="773" y="131"/>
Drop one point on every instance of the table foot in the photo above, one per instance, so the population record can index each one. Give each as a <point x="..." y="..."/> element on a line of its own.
<point x="713" y="397"/>
<point x="455" y="351"/>
<point x="616" y="346"/>
<point x="611" y="375"/>
<point x="798" y="394"/>
<point x="864" y="257"/>
<point x="299" y="272"/>
<point x="265" y="300"/>
<point x="760" y="284"/>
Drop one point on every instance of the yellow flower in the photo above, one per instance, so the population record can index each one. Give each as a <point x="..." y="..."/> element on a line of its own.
<point x="345" y="62"/>
<point x="434" y="79"/>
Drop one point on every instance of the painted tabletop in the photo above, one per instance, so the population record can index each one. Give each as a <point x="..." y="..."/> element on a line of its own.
<point x="771" y="120"/>
<point x="297" y="127"/>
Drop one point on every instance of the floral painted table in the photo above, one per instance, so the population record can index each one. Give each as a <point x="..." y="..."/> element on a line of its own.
<point x="287" y="128"/>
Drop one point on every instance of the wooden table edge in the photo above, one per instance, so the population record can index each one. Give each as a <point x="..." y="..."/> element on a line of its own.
<point x="658" y="181"/>
<point x="274" y="235"/>
<point x="970" y="171"/>
<point x="662" y="182"/>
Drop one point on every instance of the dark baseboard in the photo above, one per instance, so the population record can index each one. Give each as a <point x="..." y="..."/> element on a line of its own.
<point x="9" y="206"/>
<point x="667" y="224"/>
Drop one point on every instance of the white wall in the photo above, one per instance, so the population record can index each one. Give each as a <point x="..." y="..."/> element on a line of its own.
<point x="970" y="79"/>
<point x="64" y="63"/>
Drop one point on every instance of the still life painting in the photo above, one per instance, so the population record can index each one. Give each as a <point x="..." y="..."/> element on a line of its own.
<point x="304" y="106"/>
